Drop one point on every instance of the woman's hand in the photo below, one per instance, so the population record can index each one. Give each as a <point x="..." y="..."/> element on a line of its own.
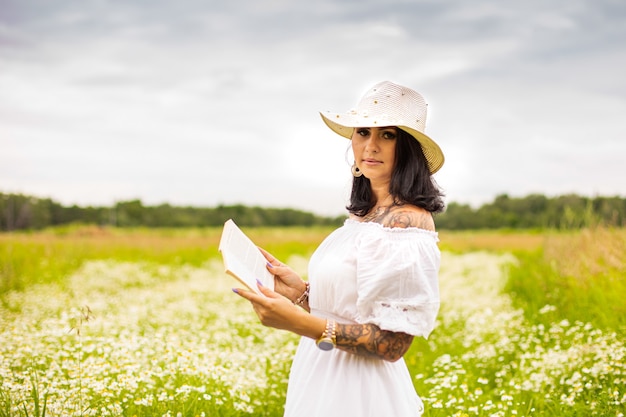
<point x="276" y="311"/>
<point x="286" y="281"/>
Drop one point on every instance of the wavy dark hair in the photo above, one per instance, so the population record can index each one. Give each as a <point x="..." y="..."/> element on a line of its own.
<point x="411" y="181"/>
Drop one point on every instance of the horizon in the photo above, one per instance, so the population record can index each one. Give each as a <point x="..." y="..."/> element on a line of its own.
<point x="207" y="103"/>
<point x="447" y="203"/>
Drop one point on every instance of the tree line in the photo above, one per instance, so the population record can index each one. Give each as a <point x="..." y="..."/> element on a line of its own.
<point x="23" y="212"/>
<point x="536" y="211"/>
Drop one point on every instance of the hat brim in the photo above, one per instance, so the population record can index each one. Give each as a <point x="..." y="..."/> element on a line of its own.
<point x="432" y="151"/>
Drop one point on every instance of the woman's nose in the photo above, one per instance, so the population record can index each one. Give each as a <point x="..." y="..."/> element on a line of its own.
<point x="372" y="143"/>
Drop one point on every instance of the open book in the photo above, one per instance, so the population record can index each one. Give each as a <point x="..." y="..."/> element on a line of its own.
<point x="243" y="259"/>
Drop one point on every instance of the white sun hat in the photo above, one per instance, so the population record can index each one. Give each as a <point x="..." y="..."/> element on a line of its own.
<point x="389" y="104"/>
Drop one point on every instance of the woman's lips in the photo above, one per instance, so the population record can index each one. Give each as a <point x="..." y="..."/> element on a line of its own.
<point x="369" y="161"/>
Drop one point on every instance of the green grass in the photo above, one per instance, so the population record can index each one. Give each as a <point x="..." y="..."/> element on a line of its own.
<point x="49" y="256"/>
<point x="540" y="333"/>
<point x="548" y="342"/>
<point x="581" y="274"/>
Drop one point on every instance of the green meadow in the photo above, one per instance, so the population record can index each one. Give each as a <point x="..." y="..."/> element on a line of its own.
<point x="142" y="322"/>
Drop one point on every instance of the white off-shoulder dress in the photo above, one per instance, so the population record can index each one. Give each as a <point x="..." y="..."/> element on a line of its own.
<point x="366" y="273"/>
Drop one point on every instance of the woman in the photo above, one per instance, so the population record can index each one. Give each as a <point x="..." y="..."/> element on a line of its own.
<point x="373" y="282"/>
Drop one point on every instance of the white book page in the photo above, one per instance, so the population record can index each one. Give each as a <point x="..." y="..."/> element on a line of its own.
<point x="243" y="259"/>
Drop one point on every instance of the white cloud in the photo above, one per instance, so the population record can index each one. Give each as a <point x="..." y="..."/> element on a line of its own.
<point x="216" y="102"/>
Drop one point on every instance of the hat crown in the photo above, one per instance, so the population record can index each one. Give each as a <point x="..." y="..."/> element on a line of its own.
<point x="389" y="104"/>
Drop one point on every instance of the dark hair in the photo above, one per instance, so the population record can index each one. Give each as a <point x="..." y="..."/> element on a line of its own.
<point x="411" y="181"/>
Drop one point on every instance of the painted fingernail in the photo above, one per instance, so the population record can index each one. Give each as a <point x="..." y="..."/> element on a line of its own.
<point x="270" y="265"/>
<point x="259" y="282"/>
<point x="235" y="290"/>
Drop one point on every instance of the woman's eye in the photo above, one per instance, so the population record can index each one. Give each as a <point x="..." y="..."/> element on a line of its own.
<point x="389" y="135"/>
<point x="362" y="132"/>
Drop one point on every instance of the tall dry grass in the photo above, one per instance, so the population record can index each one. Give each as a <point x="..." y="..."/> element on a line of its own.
<point x="582" y="273"/>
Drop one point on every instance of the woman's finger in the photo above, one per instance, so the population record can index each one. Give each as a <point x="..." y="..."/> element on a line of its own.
<point x="270" y="258"/>
<point x="254" y="297"/>
<point x="248" y="295"/>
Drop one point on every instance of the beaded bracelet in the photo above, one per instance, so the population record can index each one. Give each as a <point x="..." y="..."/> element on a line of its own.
<point x="304" y="297"/>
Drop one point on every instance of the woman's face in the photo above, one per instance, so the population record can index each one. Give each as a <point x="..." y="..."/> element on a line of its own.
<point x="375" y="151"/>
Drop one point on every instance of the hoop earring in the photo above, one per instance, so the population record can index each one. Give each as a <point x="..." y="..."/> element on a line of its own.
<point x="356" y="171"/>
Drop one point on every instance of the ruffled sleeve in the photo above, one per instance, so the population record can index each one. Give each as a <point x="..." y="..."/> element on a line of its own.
<point x="397" y="279"/>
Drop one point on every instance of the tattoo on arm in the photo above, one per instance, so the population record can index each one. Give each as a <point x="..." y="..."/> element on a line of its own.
<point x="370" y="341"/>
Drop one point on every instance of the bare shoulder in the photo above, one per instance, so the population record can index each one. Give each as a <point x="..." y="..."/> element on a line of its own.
<point x="407" y="215"/>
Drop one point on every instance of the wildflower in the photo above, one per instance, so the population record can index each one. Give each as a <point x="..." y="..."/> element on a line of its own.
<point x="547" y="309"/>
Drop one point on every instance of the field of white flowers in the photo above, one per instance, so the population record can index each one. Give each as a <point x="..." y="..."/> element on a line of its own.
<point x="125" y="338"/>
<point x="490" y="361"/>
<point x="154" y="339"/>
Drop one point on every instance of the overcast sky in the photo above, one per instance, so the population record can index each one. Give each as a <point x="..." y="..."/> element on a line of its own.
<point x="206" y="102"/>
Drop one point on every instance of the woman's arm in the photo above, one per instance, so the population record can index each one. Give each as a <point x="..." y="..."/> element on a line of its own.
<point x="368" y="340"/>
